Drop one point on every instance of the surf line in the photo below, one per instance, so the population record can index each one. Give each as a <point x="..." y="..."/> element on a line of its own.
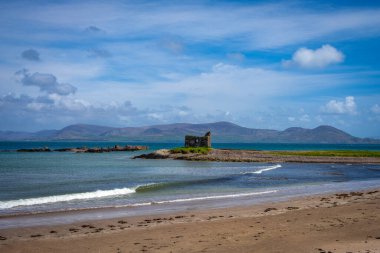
<point x="201" y="198"/>
<point x="65" y="198"/>
<point x="263" y="169"/>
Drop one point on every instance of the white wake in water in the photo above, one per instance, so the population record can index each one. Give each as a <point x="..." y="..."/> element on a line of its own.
<point x="65" y="197"/>
<point x="264" y="169"/>
<point x="204" y="198"/>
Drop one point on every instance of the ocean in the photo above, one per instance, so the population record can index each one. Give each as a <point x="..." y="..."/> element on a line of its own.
<point x="51" y="182"/>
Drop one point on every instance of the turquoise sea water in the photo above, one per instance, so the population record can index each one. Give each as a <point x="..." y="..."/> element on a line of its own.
<point x="55" y="181"/>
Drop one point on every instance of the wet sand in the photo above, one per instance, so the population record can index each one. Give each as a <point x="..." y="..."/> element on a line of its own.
<point x="344" y="222"/>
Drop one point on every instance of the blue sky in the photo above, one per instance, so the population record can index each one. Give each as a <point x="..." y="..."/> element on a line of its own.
<point x="259" y="64"/>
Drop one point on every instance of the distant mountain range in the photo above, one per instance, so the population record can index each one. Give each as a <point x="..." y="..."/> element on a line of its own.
<point x="221" y="132"/>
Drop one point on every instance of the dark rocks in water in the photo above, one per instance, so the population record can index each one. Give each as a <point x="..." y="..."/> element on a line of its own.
<point x="65" y="149"/>
<point x="44" y="149"/>
<point x="113" y="149"/>
<point x="159" y="154"/>
<point x="88" y="150"/>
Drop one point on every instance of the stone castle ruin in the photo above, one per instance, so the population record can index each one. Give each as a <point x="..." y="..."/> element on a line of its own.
<point x="198" y="141"/>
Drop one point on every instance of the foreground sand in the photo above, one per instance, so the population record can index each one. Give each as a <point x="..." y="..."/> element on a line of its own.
<point x="336" y="223"/>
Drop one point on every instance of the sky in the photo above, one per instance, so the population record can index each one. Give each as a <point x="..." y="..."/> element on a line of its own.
<point x="258" y="64"/>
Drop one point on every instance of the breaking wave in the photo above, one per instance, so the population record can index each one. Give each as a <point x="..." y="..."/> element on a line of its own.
<point x="65" y="197"/>
<point x="138" y="189"/>
<point x="204" y="198"/>
<point x="166" y="185"/>
<point x="263" y="169"/>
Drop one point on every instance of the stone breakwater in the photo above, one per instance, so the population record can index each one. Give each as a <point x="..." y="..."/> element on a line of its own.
<point x="227" y="155"/>
<point x="116" y="148"/>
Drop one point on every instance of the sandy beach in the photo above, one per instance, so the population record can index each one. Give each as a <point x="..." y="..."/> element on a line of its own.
<point x="342" y="222"/>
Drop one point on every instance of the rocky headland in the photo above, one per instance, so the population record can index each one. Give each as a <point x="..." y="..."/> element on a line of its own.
<point x="228" y="155"/>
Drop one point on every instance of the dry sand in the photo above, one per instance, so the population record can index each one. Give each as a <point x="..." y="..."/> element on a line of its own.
<point x="336" y="223"/>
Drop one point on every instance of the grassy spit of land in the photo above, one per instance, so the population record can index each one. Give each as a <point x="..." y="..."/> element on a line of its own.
<point x="190" y="150"/>
<point x="229" y="155"/>
<point x="332" y="153"/>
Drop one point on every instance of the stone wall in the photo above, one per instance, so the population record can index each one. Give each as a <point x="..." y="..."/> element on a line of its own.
<point x="198" y="141"/>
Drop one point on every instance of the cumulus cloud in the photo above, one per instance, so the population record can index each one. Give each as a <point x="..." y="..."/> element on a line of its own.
<point x="46" y="82"/>
<point x="59" y="111"/>
<point x="236" y="56"/>
<point x="376" y="109"/>
<point x="305" y="118"/>
<point x="319" y="58"/>
<point x="173" y="44"/>
<point x="291" y="119"/>
<point x="31" y="55"/>
<point x="348" y="106"/>
<point x="99" y="53"/>
<point x="38" y="112"/>
<point x="12" y="99"/>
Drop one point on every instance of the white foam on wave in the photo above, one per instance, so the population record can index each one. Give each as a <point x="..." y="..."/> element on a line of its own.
<point x="203" y="198"/>
<point x="65" y="197"/>
<point x="263" y="169"/>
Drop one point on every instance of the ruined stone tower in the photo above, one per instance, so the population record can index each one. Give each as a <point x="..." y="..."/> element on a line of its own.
<point x="198" y="141"/>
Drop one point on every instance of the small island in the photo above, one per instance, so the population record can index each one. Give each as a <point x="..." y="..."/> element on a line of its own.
<point x="199" y="149"/>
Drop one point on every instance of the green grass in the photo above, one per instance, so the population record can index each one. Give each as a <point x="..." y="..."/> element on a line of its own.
<point x="188" y="150"/>
<point x="338" y="153"/>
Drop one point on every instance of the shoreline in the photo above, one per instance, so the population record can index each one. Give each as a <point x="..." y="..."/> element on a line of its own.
<point x="127" y="234"/>
<point x="234" y="155"/>
<point x="244" y="199"/>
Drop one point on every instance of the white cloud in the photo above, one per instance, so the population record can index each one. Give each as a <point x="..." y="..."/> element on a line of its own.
<point x="318" y="119"/>
<point x="211" y="95"/>
<point x="226" y="84"/>
<point x="319" y="58"/>
<point x="172" y="44"/>
<point x="59" y="111"/>
<point x="261" y="25"/>
<point x="99" y="53"/>
<point x="305" y="118"/>
<point x="376" y="109"/>
<point x="46" y="82"/>
<point x="236" y="56"/>
<point x="348" y="106"/>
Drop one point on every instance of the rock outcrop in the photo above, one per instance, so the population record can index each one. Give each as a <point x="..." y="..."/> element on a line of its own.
<point x="45" y="149"/>
<point x="225" y="155"/>
<point x="159" y="154"/>
<point x="116" y="148"/>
